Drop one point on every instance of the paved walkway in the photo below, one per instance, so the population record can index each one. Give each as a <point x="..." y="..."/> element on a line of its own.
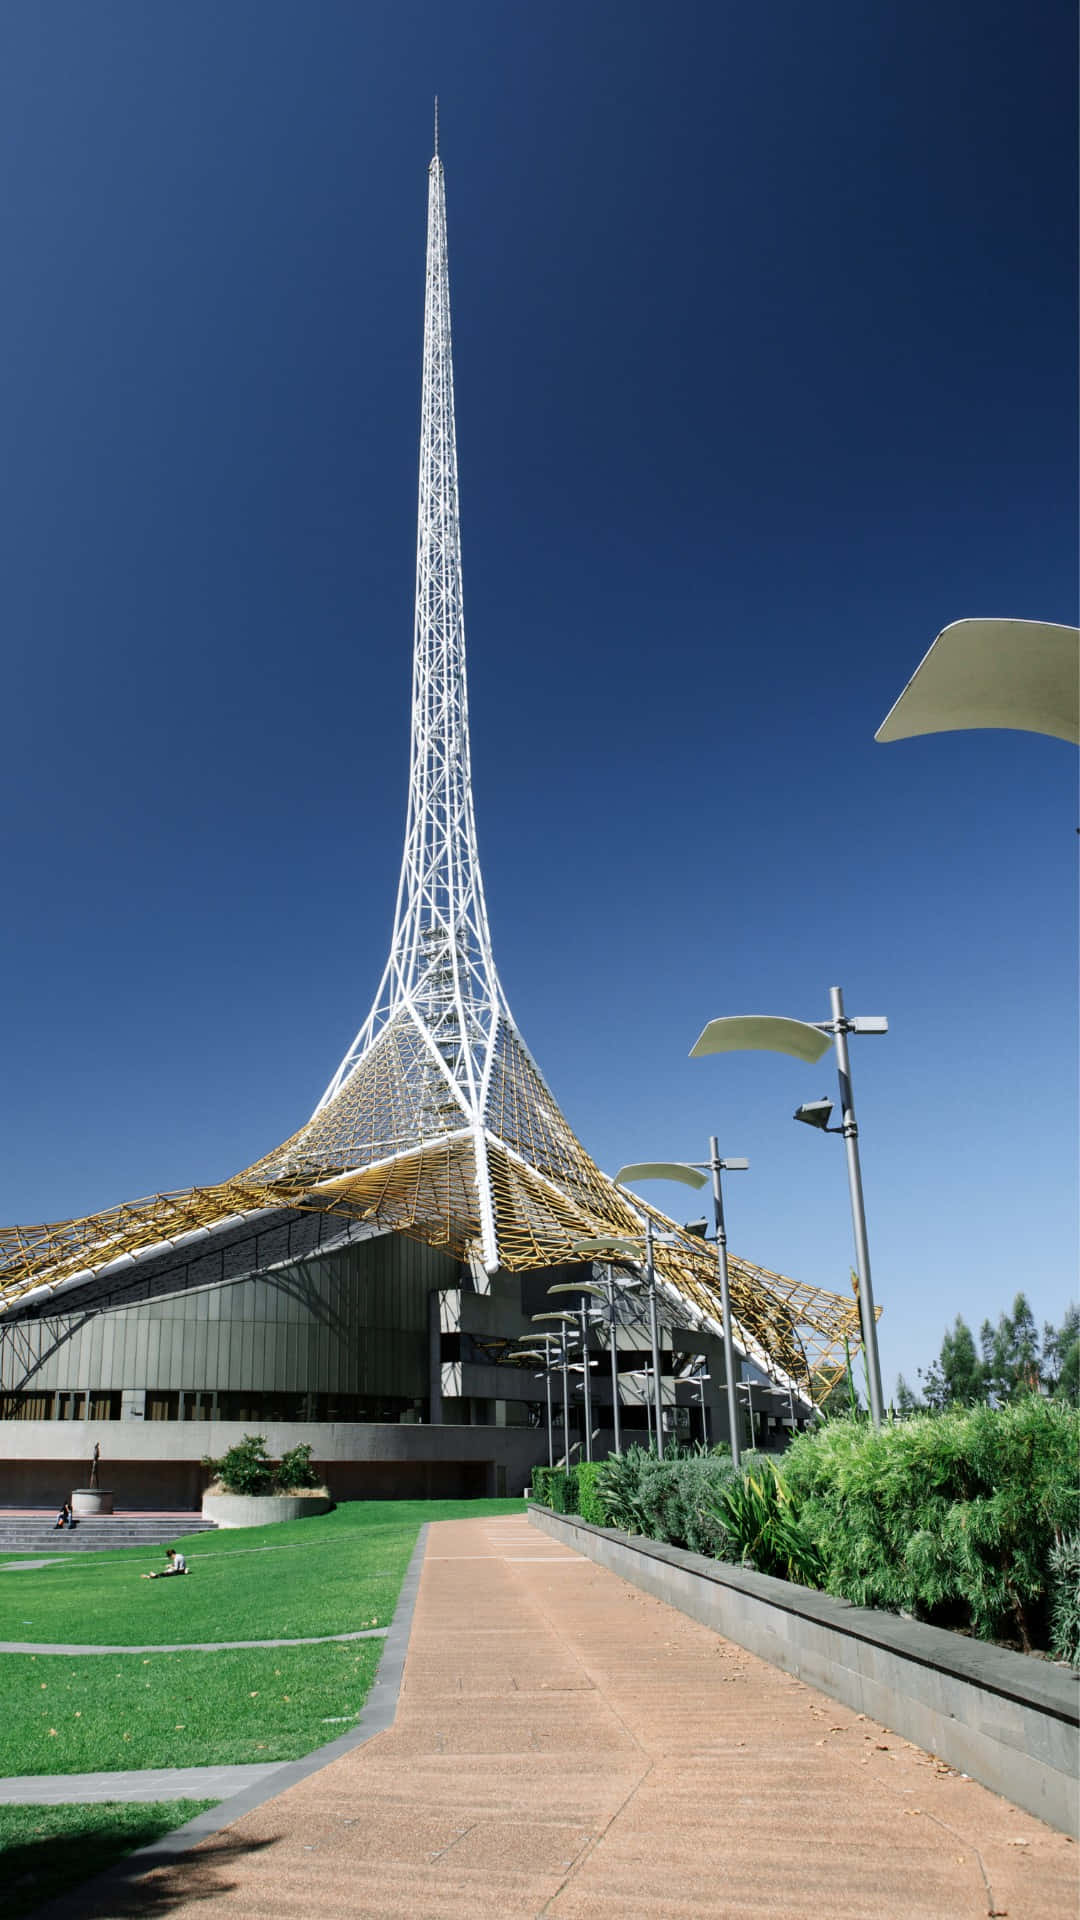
<point x="150" y="1783"/>
<point x="568" y="1747"/>
<point x="38" y="1647"/>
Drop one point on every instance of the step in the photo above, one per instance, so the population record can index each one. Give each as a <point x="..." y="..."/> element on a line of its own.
<point x="98" y="1532"/>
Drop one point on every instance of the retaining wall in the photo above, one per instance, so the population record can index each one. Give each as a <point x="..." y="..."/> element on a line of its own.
<point x="1006" y="1719"/>
<point x="260" y="1510"/>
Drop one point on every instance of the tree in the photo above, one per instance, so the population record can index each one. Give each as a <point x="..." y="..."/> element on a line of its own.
<point x="1011" y="1352"/>
<point x="907" y="1402"/>
<point x="1061" y="1357"/>
<point x="961" y="1373"/>
<point x="932" y="1381"/>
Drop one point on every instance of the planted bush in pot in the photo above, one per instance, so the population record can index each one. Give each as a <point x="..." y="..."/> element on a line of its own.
<point x="249" y="1488"/>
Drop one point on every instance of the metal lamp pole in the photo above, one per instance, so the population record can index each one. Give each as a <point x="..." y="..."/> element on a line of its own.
<point x="850" y="1131"/>
<point x="808" y="1040"/>
<point x="545" y="1356"/>
<point x="654" y="1335"/>
<point x="614" y="1359"/>
<point x="585" y="1373"/>
<point x="716" y="1166"/>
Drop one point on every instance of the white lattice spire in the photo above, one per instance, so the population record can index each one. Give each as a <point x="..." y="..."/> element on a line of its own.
<point x="438" y="1121"/>
<point x="440" y="976"/>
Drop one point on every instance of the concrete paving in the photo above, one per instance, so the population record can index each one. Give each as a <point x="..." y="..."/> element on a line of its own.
<point x="569" y="1747"/>
<point x="150" y="1783"/>
<point x="38" y="1647"/>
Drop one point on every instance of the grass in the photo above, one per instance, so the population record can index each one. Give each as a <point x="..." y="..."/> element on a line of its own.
<point x="109" y="1712"/>
<point x="45" y="1850"/>
<point x="337" y="1573"/>
<point x="332" y="1574"/>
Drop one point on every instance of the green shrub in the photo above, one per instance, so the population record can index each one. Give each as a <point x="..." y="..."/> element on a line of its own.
<point x="246" y="1468"/>
<point x="1065" y="1599"/>
<point x="295" y="1473"/>
<point x="590" y="1505"/>
<point x="950" y="1516"/>
<point x="541" y="1488"/>
<point x="756" y="1511"/>
<point x="616" y="1488"/>
<point x="672" y="1499"/>
<point x="555" y="1487"/>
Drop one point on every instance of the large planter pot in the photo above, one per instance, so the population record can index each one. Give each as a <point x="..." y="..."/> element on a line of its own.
<point x="86" y="1501"/>
<point x="258" y="1509"/>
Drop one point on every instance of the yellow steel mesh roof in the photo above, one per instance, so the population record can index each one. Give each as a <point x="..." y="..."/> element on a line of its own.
<point x="394" y="1148"/>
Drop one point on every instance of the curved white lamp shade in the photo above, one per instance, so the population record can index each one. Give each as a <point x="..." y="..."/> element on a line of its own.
<point x="762" y="1033"/>
<point x="660" y="1170"/>
<point x="1023" y="674"/>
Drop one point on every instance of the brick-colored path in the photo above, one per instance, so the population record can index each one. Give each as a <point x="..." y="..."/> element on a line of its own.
<point x="566" y="1746"/>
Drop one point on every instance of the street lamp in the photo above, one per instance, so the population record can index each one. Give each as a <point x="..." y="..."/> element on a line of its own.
<point x="992" y="673"/>
<point x="632" y="1247"/>
<point x="584" y="1367"/>
<point x="808" y="1040"/>
<point x="587" y="1314"/>
<point x="645" y="1375"/>
<point x="535" y="1353"/>
<point x="603" y="1293"/>
<point x="700" y="1379"/>
<point x="603" y="1245"/>
<point x="691" y="1175"/>
<point x="564" y="1339"/>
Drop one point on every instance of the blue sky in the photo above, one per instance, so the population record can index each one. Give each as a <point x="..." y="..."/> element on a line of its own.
<point x="764" y="337"/>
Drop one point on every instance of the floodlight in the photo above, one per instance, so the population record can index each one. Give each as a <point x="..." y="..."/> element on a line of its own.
<point x="699" y="1228"/>
<point x="868" y="1023"/>
<point x="816" y="1113"/>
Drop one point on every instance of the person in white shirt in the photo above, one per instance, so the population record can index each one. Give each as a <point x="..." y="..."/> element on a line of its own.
<point x="177" y="1564"/>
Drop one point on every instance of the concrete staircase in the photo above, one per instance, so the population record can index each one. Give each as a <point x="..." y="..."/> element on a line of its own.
<point x="35" y="1532"/>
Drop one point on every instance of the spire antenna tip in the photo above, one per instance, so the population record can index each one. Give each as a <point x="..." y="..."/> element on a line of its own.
<point x="436" y="124"/>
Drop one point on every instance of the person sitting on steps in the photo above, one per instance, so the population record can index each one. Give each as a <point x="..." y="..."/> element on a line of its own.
<point x="177" y="1564"/>
<point x="63" y="1518"/>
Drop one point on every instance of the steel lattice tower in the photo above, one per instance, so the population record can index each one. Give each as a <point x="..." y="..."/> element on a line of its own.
<point x="440" y="981"/>
<point x="438" y="1122"/>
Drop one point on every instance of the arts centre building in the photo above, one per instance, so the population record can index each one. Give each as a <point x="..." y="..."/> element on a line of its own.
<point x="371" y="1286"/>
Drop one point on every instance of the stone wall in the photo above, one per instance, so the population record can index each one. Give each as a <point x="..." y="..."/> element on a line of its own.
<point x="1006" y="1719"/>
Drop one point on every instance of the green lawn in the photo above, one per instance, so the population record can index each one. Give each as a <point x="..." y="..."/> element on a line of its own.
<point x="108" y="1712"/>
<point x="44" y="1850"/>
<point x="333" y="1574"/>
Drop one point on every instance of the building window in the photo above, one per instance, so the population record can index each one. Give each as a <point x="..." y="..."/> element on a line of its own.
<point x="26" y="1406"/>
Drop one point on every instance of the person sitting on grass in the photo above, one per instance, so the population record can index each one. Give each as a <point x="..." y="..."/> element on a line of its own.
<point x="177" y="1564"/>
